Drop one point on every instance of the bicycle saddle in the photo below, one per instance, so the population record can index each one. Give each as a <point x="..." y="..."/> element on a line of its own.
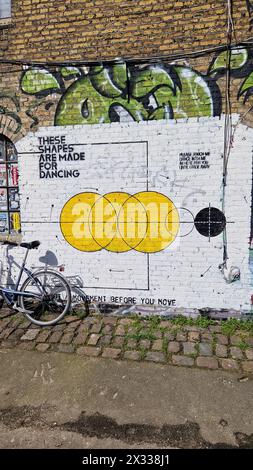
<point x="29" y="246"/>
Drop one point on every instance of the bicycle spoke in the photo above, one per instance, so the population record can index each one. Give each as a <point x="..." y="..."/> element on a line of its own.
<point x="47" y="307"/>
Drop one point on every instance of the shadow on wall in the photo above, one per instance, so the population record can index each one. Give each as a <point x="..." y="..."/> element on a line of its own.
<point x="49" y="260"/>
<point x="9" y="263"/>
<point x="10" y="267"/>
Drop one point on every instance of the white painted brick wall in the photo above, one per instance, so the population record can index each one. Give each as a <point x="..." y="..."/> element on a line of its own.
<point x="174" y="273"/>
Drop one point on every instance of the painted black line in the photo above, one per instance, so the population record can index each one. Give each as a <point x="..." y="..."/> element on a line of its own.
<point x="116" y="288"/>
<point x="209" y="226"/>
<point x="159" y="222"/>
<point x="115" y="143"/>
<point x="92" y="143"/>
<point x="116" y="271"/>
<point x="202" y="275"/>
<point x="148" y="271"/>
<point x="147" y="175"/>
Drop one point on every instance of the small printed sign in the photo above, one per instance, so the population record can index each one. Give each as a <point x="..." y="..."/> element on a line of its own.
<point x="194" y="160"/>
<point x="4" y="226"/>
<point x="15" y="225"/>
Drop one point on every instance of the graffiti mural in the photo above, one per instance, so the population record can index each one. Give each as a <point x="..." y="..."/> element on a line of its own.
<point x="119" y="93"/>
<point x="10" y="108"/>
<point x="153" y="93"/>
<point x="122" y="92"/>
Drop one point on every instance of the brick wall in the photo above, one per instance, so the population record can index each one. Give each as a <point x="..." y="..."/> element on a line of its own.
<point x="74" y="29"/>
<point x="71" y="180"/>
<point x="47" y="31"/>
<point x="178" y="104"/>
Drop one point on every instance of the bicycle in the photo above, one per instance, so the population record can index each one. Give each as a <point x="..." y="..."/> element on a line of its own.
<point x="44" y="297"/>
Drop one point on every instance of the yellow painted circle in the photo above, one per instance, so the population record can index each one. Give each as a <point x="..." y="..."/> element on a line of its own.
<point x="117" y="199"/>
<point x="147" y="222"/>
<point x="78" y="224"/>
<point x="132" y="222"/>
<point x="163" y="222"/>
<point x="102" y="221"/>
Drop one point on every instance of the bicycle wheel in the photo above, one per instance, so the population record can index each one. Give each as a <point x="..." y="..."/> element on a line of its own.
<point x="52" y="301"/>
<point x="78" y="299"/>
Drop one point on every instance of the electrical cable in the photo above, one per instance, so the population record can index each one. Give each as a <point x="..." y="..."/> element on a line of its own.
<point x="129" y="60"/>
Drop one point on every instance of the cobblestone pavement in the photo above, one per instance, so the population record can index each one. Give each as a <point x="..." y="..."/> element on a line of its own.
<point x="134" y="339"/>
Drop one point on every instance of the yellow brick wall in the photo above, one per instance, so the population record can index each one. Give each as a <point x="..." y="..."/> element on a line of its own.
<point x="65" y="30"/>
<point x="78" y="29"/>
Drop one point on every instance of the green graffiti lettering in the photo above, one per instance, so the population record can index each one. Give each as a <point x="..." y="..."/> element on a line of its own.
<point x="246" y="87"/>
<point x="103" y="83"/>
<point x="37" y="81"/>
<point x="235" y="59"/>
<point x="150" y="79"/>
<point x="83" y="104"/>
<point x="70" y="72"/>
<point x="118" y="93"/>
<point x="195" y="99"/>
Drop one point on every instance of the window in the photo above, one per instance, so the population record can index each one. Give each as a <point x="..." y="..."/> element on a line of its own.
<point x="5" y="9"/>
<point x="9" y="193"/>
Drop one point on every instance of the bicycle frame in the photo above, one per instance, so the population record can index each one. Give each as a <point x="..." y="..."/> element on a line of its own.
<point x="11" y="295"/>
<point x="51" y="290"/>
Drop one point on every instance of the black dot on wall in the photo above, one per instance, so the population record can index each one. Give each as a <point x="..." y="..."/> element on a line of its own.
<point x="210" y="222"/>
